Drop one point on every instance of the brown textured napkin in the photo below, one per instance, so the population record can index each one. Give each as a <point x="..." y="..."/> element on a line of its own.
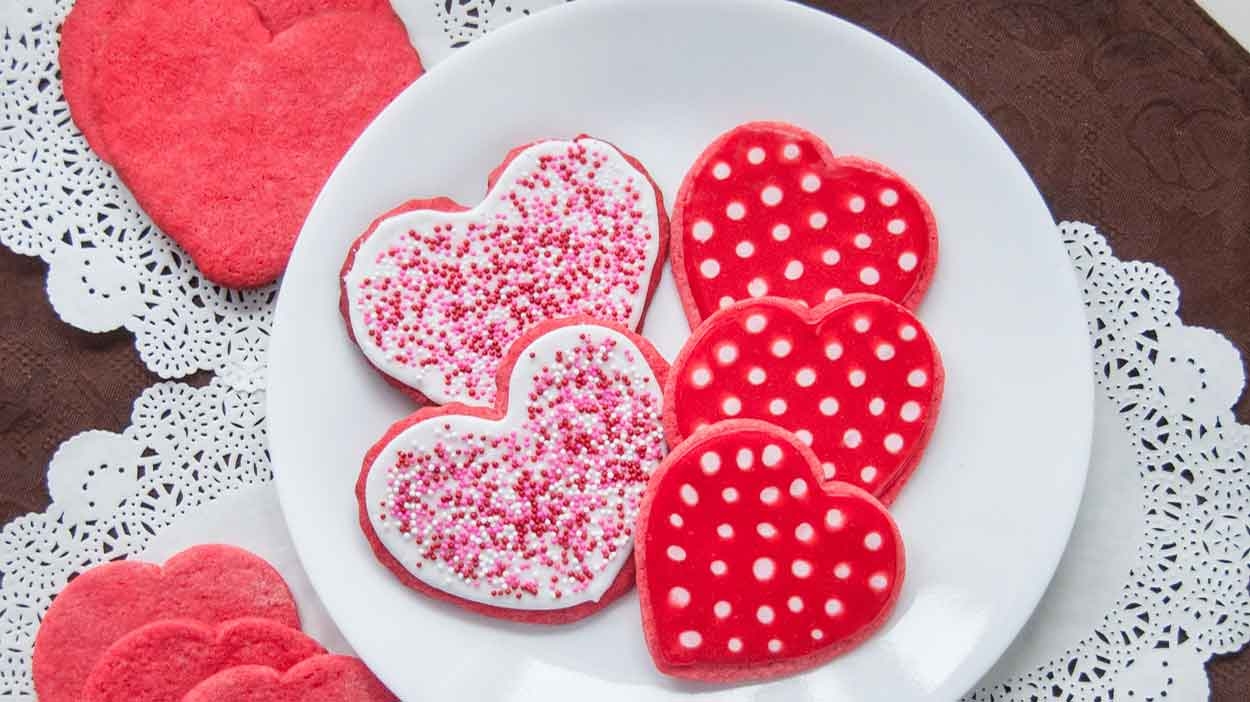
<point x="1131" y="115"/>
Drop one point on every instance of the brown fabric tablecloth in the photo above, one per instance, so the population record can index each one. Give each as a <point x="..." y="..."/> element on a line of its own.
<point x="1133" y="115"/>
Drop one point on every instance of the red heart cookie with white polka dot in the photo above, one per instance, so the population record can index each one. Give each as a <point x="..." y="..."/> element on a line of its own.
<point x="769" y="210"/>
<point x="749" y="568"/>
<point x="857" y="379"/>
<point x="434" y="294"/>
<point x="525" y="510"/>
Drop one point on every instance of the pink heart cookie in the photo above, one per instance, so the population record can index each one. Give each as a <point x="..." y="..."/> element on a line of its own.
<point x="434" y="294"/>
<point x="318" y="679"/>
<point x="524" y="510"/>
<point x="857" y="379"/>
<point x="769" y="210"/>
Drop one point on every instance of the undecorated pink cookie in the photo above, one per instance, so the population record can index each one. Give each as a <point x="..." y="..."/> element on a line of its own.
<point x="318" y="679"/>
<point x="209" y="584"/>
<point x="164" y="660"/>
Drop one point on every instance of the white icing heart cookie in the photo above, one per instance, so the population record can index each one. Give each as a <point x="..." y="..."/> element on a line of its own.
<point x="526" y="510"/>
<point x="434" y="294"/>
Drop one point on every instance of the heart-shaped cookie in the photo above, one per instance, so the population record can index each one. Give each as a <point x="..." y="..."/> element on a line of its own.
<point x="208" y="584"/>
<point x="857" y="379"/>
<point x="434" y="294"/>
<point x="163" y="661"/>
<point x="749" y="567"/>
<point x="525" y="510"/>
<point x="318" y="679"/>
<point x="225" y="117"/>
<point x="769" y="210"/>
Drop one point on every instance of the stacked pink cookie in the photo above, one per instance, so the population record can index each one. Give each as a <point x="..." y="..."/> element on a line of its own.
<point x="796" y="412"/>
<point x="214" y="623"/>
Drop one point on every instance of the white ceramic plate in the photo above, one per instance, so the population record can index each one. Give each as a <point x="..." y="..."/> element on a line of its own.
<point x="988" y="512"/>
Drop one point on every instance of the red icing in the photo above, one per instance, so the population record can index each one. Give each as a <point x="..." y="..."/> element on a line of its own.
<point x="318" y="679"/>
<point x="225" y="117"/>
<point x="876" y="234"/>
<point x="884" y="386"/>
<point x="759" y="571"/>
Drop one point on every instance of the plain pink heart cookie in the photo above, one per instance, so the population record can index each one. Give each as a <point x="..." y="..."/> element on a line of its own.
<point x="225" y="117"/>
<point x="319" y="679"/>
<point x="163" y="661"/>
<point x="769" y="210"/>
<point x="208" y="584"/>
<point x="434" y="293"/>
<point x="525" y="510"/>
<point x="857" y="379"/>
<point x="749" y="568"/>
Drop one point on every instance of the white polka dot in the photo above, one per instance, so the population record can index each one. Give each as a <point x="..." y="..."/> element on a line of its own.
<point x="828" y="470"/>
<point x="817" y="634"/>
<point x="726" y="301"/>
<point x="781" y="232"/>
<point x="833" y="294"/>
<point x="722" y="609"/>
<point x="766" y="530"/>
<point x="774" y="645"/>
<point x="765" y="614"/>
<point x="710" y="268"/>
<point x="829" y="406"/>
<point x="795" y="603"/>
<point x="862" y="241"/>
<point x="910" y="411"/>
<point x="852" y="438"/>
<point x="729" y="495"/>
<point x="917" y="378"/>
<point x="756" y="323"/>
<point x="830" y="257"/>
<point x="702" y="230"/>
<point x="893" y="443"/>
<point x="744" y="249"/>
<point x="798" y="487"/>
<point x="710" y="462"/>
<point x="794" y="270"/>
<point x="857" y="378"/>
<point x="842" y="571"/>
<point x="676" y="520"/>
<point x="689" y="495"/>
<point x="907" y="332"/>
<point x="833" y="607"/>
<point x="771" y="195"/>
<point x="756" y="155"/>
<point x="801" y="569"/>
<point x="770" y="495"/>
<point x="869" y="276"/>
<point x="719" y="568"/>
<point x="731" y="406"/>
<point x="876" y="406"/>
<point x="690" y="639"/>
<point x="700" y="377"/>
<point x="834" y="519"/>
<point x="888" y="197"/>
<point x="811" y="183"/>
<point x="781" y="348"/>
<point x="777" y="407"/>
<point x="804" y="435"/>
<point x="878" y="581"/>
<point x="736" y="211"/>
<point x="833" y="351"/>
<point x="804" y="532"/>
<point x="896" y="226"/>
<point x="745" y="459"/>
<point x="676" y="553"/>
<point x="756" y="376"/>
<point x="907" y="261"/>
<point x="790" y="152"/>
<point x="735" y="645"/>
<point x="862" y="324"/>
<point x="868" y="474"/>
<point x="725" y="531"/>
<point x="757" y="288"/>
<point x="679" y="597"/>
<point x="727" y="353"/>
<point x="763" y="568"/>
<point x="818" y="220"/>
<point x="805" y="377"/>
<point x="873" y="541"/>
<point x="721" y="170"/>
<point x="885" y="352"/>
<point x="771" y="455"/>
